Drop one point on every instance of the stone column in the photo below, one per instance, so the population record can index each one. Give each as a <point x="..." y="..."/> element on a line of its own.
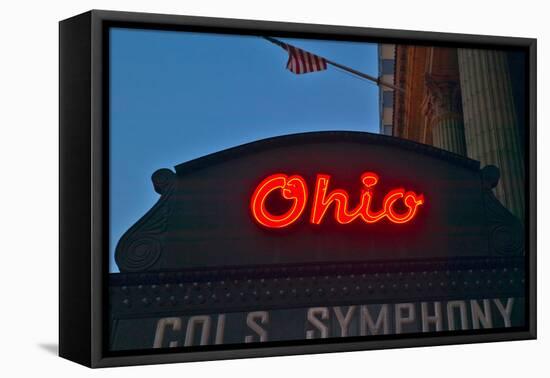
<point x="442" y="108"/>
<point x="490" y="123"/>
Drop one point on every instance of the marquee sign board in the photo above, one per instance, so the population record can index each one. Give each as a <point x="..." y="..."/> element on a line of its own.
<point x="319" y="322"/>
<point x="307" y="241"/>
<point x="228" y="235"/>
<point x="205" y="218"/>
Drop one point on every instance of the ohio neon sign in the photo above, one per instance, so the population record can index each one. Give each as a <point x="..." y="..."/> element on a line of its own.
<point x="294" y="188"/>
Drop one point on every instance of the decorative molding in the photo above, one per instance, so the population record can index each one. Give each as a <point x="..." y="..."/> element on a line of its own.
<point x="141" y="246"/>
<point x="443" y="97"/>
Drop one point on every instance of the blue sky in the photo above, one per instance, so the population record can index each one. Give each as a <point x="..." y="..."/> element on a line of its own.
<point x="176" y="96"/>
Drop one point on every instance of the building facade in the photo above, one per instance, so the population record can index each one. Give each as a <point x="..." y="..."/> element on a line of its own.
<point x="467" y="101"/>
<point x="386" y="70"/>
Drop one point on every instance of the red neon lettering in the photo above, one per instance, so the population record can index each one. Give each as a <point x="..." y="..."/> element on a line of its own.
<point x="294" y="188"/>
<point x="340" y="198"/>
<point x="411" y="201"/>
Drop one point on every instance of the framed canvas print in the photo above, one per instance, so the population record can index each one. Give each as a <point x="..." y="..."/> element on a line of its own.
<point x="233" y="188"/>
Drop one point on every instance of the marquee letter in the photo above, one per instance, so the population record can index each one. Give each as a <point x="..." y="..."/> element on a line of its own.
<point x="436" y="318"/>
<point x="311" y="317"/>
<point x="369" y="180"/>
<point x="203" y="320"/>
<point x="162" y="324"/>
<point x="461" y="305"/>
<point x="344" y="321"/>
<point x="220" y="329"/>
<point x="480" y="317"/>
<point x="292" y="188"/>
<point x="506" y="312"/>
<point x="411" y="200"/>
<point x="366" y="322"/>
<point x="263" y="317"/>
<point x="400" y="319"/>
<point x="322" y="201"/>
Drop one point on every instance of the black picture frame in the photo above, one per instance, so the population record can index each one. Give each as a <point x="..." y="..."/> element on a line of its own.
<point x="84" y="195"/>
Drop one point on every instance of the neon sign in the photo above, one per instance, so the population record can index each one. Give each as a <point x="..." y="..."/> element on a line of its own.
<point x="294" y="188"/>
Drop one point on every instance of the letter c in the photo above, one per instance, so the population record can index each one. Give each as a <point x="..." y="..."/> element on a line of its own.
<point x="292" y="188"/>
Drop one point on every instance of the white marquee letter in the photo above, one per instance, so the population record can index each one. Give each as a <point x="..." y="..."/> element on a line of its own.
<point x="400" y="319"/>
<point x="368" y="325"/>
<point x="451" y="315"/>
<point x="203" y="320"/>
<point x="481" y="317"/>
<point x="436" y="318"/>
<point x="263" y="317"/>
<point x="162" y="324"/>
<point x="506" y="312"/>
<point x="344" y="321"/>
<point x="311" y="317"/>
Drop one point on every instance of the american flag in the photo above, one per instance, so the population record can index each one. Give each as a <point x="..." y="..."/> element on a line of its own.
<point x="300" y="61"/>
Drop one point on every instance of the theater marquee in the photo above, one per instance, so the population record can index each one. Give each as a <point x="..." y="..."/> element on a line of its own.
<point x="318" y="235"/>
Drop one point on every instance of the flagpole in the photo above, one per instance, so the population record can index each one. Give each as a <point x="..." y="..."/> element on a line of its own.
<point x="345" y="68"/>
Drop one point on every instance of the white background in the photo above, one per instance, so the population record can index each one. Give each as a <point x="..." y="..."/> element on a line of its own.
<point x="29" y="186"/>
